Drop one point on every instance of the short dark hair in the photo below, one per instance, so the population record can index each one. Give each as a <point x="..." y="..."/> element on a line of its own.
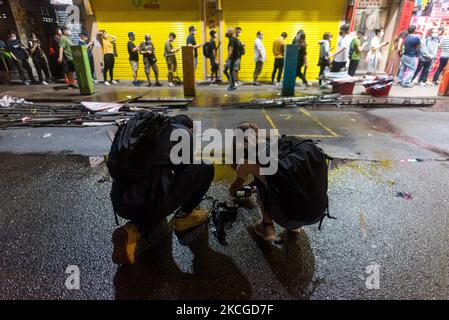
<point x="212" y="33"/>
<point x="345" y="28"/>
<point x="377" y="31"/>
<point x="259" y="33"/>
<point x="65" y="28"/>
<point x="84" y="34"/>
<point x="191" y="28"/>
<point x="173" y="35"/>
<point x="327" y="36"/>
<point x="238" y="28"/>
<point x="412" y="29"/>
<point x="361" y="32"/>
<point x="11" y="32"/>
<point x="284" y="34"/>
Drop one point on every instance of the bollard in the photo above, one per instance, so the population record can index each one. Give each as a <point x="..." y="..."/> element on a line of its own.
<point x="83" y="72"/>
<point x="188" y="67"/>
<point x="290" y="63"/>
<point x="443" y="89"/>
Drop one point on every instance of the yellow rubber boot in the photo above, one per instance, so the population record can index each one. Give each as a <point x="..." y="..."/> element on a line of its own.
<point x="125" y="240"/>
<point x="195" y="219"/>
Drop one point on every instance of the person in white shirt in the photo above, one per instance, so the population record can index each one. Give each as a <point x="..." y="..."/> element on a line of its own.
<point x="374" y="56"/>
<point x="260" y="56"/>
<point x="341" y="57"/>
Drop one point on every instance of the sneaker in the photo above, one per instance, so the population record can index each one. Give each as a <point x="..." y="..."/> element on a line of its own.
<point x="430" y="84"/>
<point x="149" y="84"/>
<point x="407" y="85"/>
<point x="171" y="84"/>
<point x="106" y="83"/>
<point x="27" y="83"/>
<point x="114" y="82"/>
<point x="422" y="84"/>
<point x="265" y="231"/>
<point x="95" y="81"/>
<point x="45" y="83"/>
<point x="258" y="84"/>
<point x="232" y="88"/>
<point x="158" y="84"/>
<point x="195" y="219"/>
<point x="137" y="84"/>
<point x="124" y="240"/>
<point x="436" y="83"/>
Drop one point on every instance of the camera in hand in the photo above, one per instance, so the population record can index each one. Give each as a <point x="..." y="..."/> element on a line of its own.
<point x="244" y="192"/>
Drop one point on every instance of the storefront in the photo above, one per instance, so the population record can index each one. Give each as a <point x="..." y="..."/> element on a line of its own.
<point x="159" y="18"/>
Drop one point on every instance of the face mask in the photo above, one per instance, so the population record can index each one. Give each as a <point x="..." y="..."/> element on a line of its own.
<point x="365" y="38"/>
<point x="435" y="35"/>
<point x="13" y="38"/>
<point x="69" y="33"/>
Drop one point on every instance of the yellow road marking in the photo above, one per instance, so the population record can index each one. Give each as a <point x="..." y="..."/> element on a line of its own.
<point x="267" y="116"/>
<point x="318" y="122"/>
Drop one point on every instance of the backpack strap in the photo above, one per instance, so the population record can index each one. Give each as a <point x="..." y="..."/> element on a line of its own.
<point x="327" y="214"/>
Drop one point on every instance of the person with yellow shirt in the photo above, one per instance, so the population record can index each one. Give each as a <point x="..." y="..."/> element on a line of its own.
<point x="107" y="43"/>
<point x="278" y="51"/>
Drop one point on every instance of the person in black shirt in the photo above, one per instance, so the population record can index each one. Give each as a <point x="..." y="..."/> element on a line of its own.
<point x="20" y="56"/>
<point x="241" y="49"/>
<point x="300" y="41"/>
<point x="39" y="59"/>
<point x="210" y="50"/>
<point x="233" y="56"/>
<point x="191" y="42"/>
<point x="133" y="51"/>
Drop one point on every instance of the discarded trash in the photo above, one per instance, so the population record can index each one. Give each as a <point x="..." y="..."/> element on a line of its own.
<point x="8" y="101"/>
<point x="411" y="160"/>
<point x="47" y="135"/>
<point x="102" y="106"/>
<point x="96" y="161"/>
<point x="405" y="195"/>
<point x="353" y="120"/>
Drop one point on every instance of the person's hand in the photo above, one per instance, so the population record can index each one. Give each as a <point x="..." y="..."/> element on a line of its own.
<point x="60" y="60"/>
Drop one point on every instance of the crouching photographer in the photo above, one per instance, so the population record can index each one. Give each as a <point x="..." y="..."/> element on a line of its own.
<point x="296" y="194"/>
<point x="147" y="186"/>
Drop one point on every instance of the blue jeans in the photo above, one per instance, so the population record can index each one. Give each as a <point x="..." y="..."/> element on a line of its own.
<point x="408" y="67"/>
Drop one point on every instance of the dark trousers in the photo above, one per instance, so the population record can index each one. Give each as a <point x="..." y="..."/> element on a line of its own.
<point x="278" y="65"/>
<point x="23" y="64"/>
<point x="230" y="72"/>
<point x="187" y="190"/>
<point x="323" y="63"/>
<point x="337" y="66"/>
<point x="109" y="61"/>
<point x="353" y="65"/>
<point x="424" y="68"/>
<point x="300" y="74"/>
<point x="41" y="68"/>
<point x="441" y="66"/>
<point x="92" y="66"/>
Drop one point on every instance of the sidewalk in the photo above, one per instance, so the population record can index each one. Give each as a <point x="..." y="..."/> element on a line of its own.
<point x="206" y="96"/>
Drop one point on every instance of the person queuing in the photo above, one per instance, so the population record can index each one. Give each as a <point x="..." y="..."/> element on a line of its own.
<point x="374" y="55"/>
<point x="133" y="52"/>
<point x="5" y="63"/>
<point x="53" y="54"/>
<point x="66" y="57"/>
<point x="147" y="50"/>
<point x="412" y="47"/>
<point x="107" y="43"/>
<point x="260" y="56"/>
<point x="427" y="56"/>
<point x="300" y="41"/>
<point x="278" y="52"/>
<point x="341" y="57"/>
<point x="170" y="58"/>
<point x="39" y="59"/>
<point x="241" y="49"/>
<point x="355" y="51"/>
<point x="233" y="56"/>
<point x="191" y="42"/>
<point x="444" y="56"/>
<point x="324" y="58"/>
<point x="398" y="48"/>
<point x="210" y="52"/>
<point x="84" y="41"/>
<point x="20" y="57"/>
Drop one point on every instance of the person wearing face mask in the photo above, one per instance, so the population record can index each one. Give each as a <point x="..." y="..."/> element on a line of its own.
<point x="427" y="55"/>
<point x="233" y="56"/>
<point x="20" y="57"/>
<point x="191" y="42"/>
<point x="324" y="59"/>
<point x="210" y="52"/>
<point x="300" y="41"/>
<point x="260" y="56"/>
<point x="39" y="59"/>
<point x="66" y="57"/>
<point x="341" y="57"/>
<point x="147" y="50"/>
<point x="355" y="52"/>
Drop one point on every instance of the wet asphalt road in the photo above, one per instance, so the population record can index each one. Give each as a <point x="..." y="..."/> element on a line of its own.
<point x="55" y="212"/>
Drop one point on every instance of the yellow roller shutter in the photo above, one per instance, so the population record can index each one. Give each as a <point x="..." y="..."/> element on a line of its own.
<point x="120" y="17"/>
<point x="276" y="16"/>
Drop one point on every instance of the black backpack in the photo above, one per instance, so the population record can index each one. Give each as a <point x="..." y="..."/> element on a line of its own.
<point x="139" y="163"/>
<point x="301" y="183"/>
<point x="207" y="49"/>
